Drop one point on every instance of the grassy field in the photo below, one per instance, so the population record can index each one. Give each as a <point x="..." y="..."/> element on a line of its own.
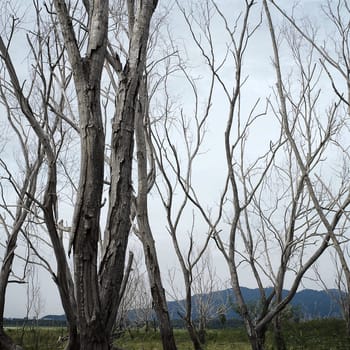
<point x="313" y="335"/>
<point x="38" y="338"/>
<point x="226" y="339"/>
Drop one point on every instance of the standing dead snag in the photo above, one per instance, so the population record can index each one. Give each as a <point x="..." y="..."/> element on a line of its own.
<point x="335" y="59"/>
<point x="120" y="192"/>
<point x="87" y="73"/>
<point x="91" y="301"/>
<point x="143" y="230"/>
<point x="98" y="291"/>
<point x="14" y="225"/>
<point x="272" y="232"/>
<point x="45" y="133"/>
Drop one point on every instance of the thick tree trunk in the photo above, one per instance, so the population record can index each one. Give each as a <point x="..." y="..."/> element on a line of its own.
<point x="257" y="336"/>
<point x="95" y="339"/>
<point x="98" y="293"/>
<point x="86" y="223"/>
<point x="120" y="193"/>
<point x="86" y="219"/>
<point x="73" y="339"/>
<point x="118" y="220"/>
<point x="257" y="341"/>
<point x="6" y="343"/>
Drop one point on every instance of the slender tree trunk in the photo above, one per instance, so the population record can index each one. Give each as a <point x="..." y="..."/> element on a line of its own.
<point x="197" y="345"/>
<point x="63" y="277"/>
<point x="188" y="316"/>
<point x="345" y="304"/>
<point x="120" y="193"/>
<point x="6" y="343"/>
<point x="29" y="186"/>
<point x="158" y="294"/>
<point x="202" y="331"/>
<point x="144" y="230"/>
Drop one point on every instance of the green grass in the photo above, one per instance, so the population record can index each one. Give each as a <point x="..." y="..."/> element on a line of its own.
<point x="216" y="339"/>
<point x="37" y="338"/>
<point x="320" y="335"/>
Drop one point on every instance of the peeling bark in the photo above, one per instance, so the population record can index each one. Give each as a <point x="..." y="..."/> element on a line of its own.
<point x="118" y="221"/>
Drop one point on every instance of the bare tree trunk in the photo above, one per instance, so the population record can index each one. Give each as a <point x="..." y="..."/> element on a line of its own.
<point x="91" y="301"/>
<point x="158" y="294"/>
<point x="24" y="202"/>
<point x="63" y="277"/>
<point x="197" y="345"/>
<point x="257" y="340"/>
<point x="6" y="343"/>
<point x="278" y="338"/>
<point x="123" y="126"/>
<point x="144" y="231"/>
<point x="86" y="220"/>
<point x="157" y="290"/>
<point x="192" y="331"/>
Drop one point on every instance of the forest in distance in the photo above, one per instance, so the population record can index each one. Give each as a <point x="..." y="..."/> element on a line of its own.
<point x="165" y="150"/>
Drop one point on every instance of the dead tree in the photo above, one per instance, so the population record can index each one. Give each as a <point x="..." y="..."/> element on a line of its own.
<point x="91" y="298"/>
<point x="143" y="229"/>
<point x="248" y="230"/>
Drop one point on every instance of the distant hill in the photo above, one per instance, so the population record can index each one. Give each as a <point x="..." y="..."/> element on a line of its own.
<point x="318" y="304"/>
<point x="54" y="318"/>
<point x="311" y="304"/>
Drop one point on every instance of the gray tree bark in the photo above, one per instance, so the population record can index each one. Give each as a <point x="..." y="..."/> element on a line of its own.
<point x="98" y="292"/>
<point x="120" y="194"/>
<point x="144" y="231"/>
<point x="87" y="73"/>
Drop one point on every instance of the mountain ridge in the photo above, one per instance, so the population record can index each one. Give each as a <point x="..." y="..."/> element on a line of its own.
<point x="310" y="303"/>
